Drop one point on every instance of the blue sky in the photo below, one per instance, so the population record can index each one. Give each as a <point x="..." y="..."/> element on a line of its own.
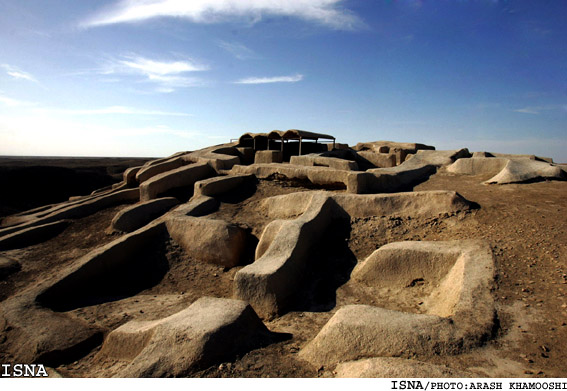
<point x="153" y="77"/>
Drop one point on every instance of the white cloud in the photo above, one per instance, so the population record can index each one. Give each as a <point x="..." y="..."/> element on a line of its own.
<point x="14" y="102"/>
<point x="528" y="110"/>
<point x="114" y="110"/>
<point x="18" y="73"/>
<point x="169" y="82"/>
<point x="275" y="79"/>
<point x="165" y="90"/>
<point x="538" y="109"/>
<point x="160" y="68"/>
<point x="168" y="75"/>
<point x="325" y="12"/>
<point x="238" y="50"/>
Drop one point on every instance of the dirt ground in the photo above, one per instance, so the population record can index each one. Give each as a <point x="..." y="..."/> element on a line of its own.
<point x="28" y="182"/>
<point x="525" y="225"/>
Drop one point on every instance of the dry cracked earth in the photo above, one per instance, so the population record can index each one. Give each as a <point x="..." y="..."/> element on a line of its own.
<point x="524" y="225"/>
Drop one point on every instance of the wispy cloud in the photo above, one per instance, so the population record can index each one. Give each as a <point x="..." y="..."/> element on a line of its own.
<point x="112" y="110"/>
<point x="14" y="102"/>
<point x="238" y="50"/>
<point x="528" y="110"/>
<point x="266" y="80"/>
<point x="160" y="68"/>
<point x="325" y="12"/>
<point x="538" y="109"/>
<point x="16" y="73"/>
<point x="167" y="75"/>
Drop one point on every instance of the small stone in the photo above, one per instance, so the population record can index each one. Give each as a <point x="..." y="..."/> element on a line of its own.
<point x="545" y="348"/>
<point x="528" y="372"/>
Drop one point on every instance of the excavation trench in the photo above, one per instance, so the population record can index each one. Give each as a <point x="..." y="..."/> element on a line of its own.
<point x="113" y="273"/>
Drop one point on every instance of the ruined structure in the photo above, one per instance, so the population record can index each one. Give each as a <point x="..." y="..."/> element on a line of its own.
<point x="389" y="312"/>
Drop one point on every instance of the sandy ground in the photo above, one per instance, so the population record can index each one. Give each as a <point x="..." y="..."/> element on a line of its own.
<point x="524" y="224"/>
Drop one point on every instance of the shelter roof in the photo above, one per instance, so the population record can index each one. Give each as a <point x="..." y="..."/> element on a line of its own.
<point x="296" y="134"/>
<point x="250" y="135"/>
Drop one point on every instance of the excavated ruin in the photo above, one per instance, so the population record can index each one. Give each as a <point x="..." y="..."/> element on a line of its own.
<point x="267" y="230"/>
